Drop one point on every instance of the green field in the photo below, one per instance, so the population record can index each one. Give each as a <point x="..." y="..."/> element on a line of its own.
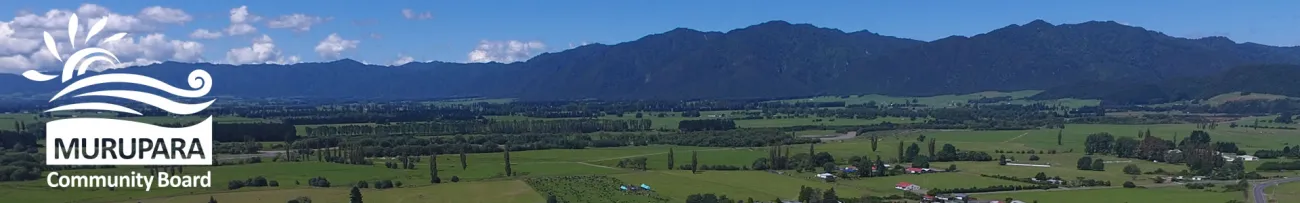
<point x="759" y="185"/>
<point x="1165" y="194"/>
<point x="485" y="171"/>
<point x="946" y="100"/>
<point x="1284" y="192"/>
<point x="509" y="191"/>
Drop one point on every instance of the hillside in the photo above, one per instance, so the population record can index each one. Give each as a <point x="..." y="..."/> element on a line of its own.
<point x="1275" y="80"/>
<point x="768" y="60"/>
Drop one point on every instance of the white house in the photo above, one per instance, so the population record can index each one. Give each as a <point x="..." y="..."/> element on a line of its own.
<point x="906" y="186"/>
<point x="825" y="176"/>
<point x="1247" y="158"/>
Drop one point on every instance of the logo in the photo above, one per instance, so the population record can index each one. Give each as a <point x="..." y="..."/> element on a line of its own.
<point x="106" y="141"/>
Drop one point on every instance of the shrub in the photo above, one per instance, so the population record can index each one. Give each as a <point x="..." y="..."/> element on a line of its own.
<point x="1033" y="157"/>
<point x="1129" y="184"/>
<point x="455" y="179"/>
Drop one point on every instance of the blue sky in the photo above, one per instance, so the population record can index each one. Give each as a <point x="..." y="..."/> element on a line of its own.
<point x="377" y="32"/>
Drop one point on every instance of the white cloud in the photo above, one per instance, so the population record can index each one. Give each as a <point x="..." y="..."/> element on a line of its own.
<point x="402" y="59"/>
<point x="261" y="52"/>
<point x="412" y="15"/>
<point x="240" y="29"/>
<point x="505" y="51"/>
<point x="21" y="46"/>
<point x="240" y="21"/>
<point x="165" y="15"/>
<point x="205" y="34"/>
<point x="296" y="22"/>
<point x="156" y="47"/>
<point x="333" y="46"/>
<point x="11" y="46"/>
<point x="241" y="15"/>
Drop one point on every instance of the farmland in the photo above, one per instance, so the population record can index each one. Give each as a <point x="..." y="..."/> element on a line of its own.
<point x="735" y="152"/>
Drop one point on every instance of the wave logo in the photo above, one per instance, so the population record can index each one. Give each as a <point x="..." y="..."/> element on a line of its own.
<point x="104" y="141"/>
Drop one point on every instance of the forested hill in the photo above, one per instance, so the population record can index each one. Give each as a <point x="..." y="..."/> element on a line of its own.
<point x="1267" y="79"/>
<point x="771" y="59"/>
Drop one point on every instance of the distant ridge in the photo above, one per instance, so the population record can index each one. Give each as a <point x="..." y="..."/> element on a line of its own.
<point x="766" y="60"/>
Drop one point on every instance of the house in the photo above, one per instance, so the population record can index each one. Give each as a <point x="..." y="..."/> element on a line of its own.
<point x="851" y="169"/>
<point x="1017" y="201"/>
<point x="915" y="170"/>
<point x="929" y="198"/>
<point x="906" y="186"/>
<point x="1247" y="158"/>
<point x="825" y="176"/>
<point x="1198" y="177"/>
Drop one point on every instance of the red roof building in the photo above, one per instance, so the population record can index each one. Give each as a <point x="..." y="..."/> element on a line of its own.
<point x="915" y="170"/>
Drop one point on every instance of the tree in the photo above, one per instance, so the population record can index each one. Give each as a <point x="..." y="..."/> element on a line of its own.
<point x="1085" y="163"/>
<point x="670" y="158"/>
<point x="874" y="139"/>
<point x="930" y="147"/>
<point x="829" y="196"/>
<point x="1129" y="184"/>
<point x="921" y="162"/>
<point x="952" y="167"/>
<point x="1040" y="176"/>
<point x="1099" y="143"/>
<point x="463" y="162"/>
<point x="507" y="154"/>
<point x="1284" y="118"/>
<point x="355" y="197"/>
<point x="1098" y="165"/>
<point x="1033" y="157"/>
<point x="695" y="162"/>
<point x="828" y="167"/>
<point x="1002" y="160"/>
<point x="433" y="169"/>
<point x="550" y="198"/>
<point x="1132" y="169"/>
<point x="912" y="151"/>
<point x="900" y="150"/>
<point x="212" y="199"/>
<point x="805" y="194"/>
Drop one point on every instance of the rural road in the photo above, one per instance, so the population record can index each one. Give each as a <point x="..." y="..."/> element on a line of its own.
<point x="1258" y="189"/>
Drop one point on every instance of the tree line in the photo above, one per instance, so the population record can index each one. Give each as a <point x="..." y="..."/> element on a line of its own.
<point x="484" y="127"/>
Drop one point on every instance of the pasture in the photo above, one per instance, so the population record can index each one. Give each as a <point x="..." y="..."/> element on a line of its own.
<point x="1288" y="191"/>
<point x="1017" y="97"/>
<point x="508" y="191"/>
<point x="760" y="185"/>
<point x="1163" y="194"/>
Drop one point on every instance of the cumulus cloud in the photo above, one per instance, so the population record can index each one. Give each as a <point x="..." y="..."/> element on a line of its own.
<point x="295" y="22"/>
<point x="155" y="47"/>
<point x="22" y="47"/>
<point x="505" y="51"/>
<point x="412" y="15"/>
<point x="240" y="21"/>
<point x="262" y="51"/>
<point x="333" y="46"/>
<point x="165" y="15"/>
<point x="205" y="34"/>
<point x="402" y="59"/>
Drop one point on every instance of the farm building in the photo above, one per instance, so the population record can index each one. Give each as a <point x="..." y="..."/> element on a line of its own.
<point x="825" y="176"/>
<point x="915" y="170"/>
<point x="850" y="169"/>
<point x="906" y="186"/>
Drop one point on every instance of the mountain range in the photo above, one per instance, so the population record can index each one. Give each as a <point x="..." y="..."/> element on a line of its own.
<point x="768" y="60"/>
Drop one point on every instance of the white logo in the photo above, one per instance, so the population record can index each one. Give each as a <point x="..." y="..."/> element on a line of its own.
<point x="103" y="141"/>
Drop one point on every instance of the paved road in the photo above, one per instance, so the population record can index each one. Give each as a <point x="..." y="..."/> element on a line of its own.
<point x="1258" y="189"/>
